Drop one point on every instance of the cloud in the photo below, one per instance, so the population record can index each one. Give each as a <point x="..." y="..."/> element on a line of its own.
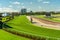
<point x="4" y="9"/>
<point x="16" y="3"/>
<point x="31" y="2"/>
<point x="0" y="4"/>
<point x="0" y="8"/>
<point x="7" y="9"/>
<point x="46" y="2"/>
<point x="23" y="6"/>
<point x="10" y="6"/>
<point x="22" y="3"/>
<point x="39" y="7"/>
<point x="39" y="0"/>
<point x="28" y="9"/>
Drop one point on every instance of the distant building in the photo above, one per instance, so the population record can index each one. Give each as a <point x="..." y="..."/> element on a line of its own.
<point x="23" y="11"/>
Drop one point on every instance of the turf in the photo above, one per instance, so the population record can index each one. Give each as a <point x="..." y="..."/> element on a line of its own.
<point x="7" y="36"/>
<point x="22" y="24"/>
<point x="50" y="19"/>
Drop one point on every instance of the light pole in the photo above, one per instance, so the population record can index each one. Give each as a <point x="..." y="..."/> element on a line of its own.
<point x="31" y="16"/>
<point x="12" y="15"/>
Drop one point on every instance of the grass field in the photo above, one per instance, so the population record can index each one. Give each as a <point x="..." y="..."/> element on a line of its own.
<point x="4" y="35"/>
<point x="7" y="36"/>
<point x="3" y="19"/>
<point x="21" y="24"/>
<point x="50" y="19"/>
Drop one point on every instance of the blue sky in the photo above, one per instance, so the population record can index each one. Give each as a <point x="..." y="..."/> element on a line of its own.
<point x="34" y="5"/>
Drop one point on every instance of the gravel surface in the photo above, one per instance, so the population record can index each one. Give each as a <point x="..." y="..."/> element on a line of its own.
<point x="44" y="23"/>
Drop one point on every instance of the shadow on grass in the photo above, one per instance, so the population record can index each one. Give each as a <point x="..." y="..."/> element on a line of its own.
<point x="6" y="26"/>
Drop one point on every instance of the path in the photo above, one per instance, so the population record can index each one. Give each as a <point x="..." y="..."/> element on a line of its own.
<point x="42" y="24"/>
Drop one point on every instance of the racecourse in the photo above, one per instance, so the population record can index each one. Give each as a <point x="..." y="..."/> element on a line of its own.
<point x="22" y="24"/>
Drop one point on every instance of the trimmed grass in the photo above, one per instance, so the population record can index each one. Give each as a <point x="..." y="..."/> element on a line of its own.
<point x="21" y="24"/>
<point x="3" y="19"/>
<point x="50" y="19"/>
<point x="7" y="36"/>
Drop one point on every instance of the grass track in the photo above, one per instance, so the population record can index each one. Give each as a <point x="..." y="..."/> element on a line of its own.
<point x="21" y="24"/>
<point x="7" y="36"/>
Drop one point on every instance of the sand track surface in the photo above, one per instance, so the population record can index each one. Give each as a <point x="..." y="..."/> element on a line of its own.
<point x="44" y="23"/>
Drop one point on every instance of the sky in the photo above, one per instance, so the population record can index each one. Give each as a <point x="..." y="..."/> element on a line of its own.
<point x="34" y="5"/>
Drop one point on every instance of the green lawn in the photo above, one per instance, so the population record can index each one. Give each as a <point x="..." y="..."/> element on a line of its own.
<point x="8" y="36"/>
<point x="4" y="19"/>
<point x="50" y="19"/>
<point x="21" y="24"/>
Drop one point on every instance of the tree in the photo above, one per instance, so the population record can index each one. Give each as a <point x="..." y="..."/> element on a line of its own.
<point x="48" y="14"/>
<point x="12" y="15"/>
<point x="1" y="21"/>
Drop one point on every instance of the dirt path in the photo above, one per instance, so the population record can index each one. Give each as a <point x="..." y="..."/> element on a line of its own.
<point x="41" y="23"/>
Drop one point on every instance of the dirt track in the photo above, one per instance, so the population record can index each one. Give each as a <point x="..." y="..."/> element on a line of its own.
<point x="45" y="23"/>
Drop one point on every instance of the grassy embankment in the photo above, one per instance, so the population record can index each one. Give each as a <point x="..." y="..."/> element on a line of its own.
<point x="4" y="35"/>
<point x="8" y="36"/>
